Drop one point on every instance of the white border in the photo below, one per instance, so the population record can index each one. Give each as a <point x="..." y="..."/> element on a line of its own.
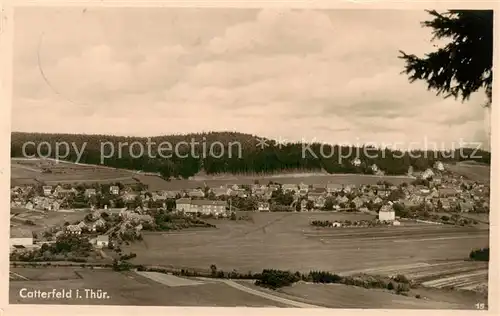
<point x="6" y="40"/>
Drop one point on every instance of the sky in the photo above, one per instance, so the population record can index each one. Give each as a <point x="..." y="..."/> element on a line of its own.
<point x="292" y="75"/>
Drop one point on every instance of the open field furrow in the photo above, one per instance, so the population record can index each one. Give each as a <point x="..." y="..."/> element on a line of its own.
<point x="472" y="281"/>
<point x="449" y="280"/>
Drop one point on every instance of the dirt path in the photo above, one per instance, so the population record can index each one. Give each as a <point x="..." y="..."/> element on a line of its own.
<point x="268" y="296"/>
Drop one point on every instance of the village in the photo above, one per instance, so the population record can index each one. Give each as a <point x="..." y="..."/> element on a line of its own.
<point x="112" y="211"/>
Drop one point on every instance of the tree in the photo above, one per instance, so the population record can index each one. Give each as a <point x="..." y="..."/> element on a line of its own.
<point x="464" y="65"/>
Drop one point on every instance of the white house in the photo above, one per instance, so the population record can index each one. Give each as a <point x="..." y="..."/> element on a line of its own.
<point x="263" y="207"/>
<point x="47" y="190"/>
<point x="102" y="241"/>
<point x="439" y="166"/>
<point x="114" y="189"/>
<point x="356" y="162"/>
<point x="374" y="168"/>
<point x="386" y="213"/>
<point x="74" y="229"/>
<point x="427" y="174"/>
<point x="410" y="171"/>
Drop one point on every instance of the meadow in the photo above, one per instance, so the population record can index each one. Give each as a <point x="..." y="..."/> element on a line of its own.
<point x="31" y="171"/>
<point x="286" y="241"/>
<point x="127" y="288"/>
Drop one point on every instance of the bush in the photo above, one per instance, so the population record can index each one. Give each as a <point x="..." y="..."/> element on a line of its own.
<point x="480" y="254"/>
<point x="276" y="278"/>
<point x="324" y="277"/>
<point x="418" y="296"/>
<point x="401" y="279"/>
<point x="390" y="286"/>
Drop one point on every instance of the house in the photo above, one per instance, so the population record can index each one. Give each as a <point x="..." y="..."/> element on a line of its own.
<point x="82" y="225"/>
<point x="320" y="202"/>
<point x="222" y="191"/>
<point x="333" y="187"/>
<point x="183" y="205"/>
<point x="289" y="187"/>
<point x="348" y="188"/>
<point x="342" y="199"/>
<point x="90" y="192"/>
<point x="374" y="168"/>
<point x="313" y="196"/>
<point x="427" y="174"/>
<point x="28" y="206"/>
<point x="55" y="206"/>
<point x="74" y="229"/>
<point x="261" y="192"/>
<point x="336" y="224"/>
<point x="383" y="192"/>
<point x="303" y="205"/>
<point x="466" y="207"/>
<point x="158" y="197"/>
<point x="386" y="213"/>
<point x="235" y="187"/>
<point x="61" y="192"/>
<point x="274" y="187"/>
<point x="196" y="193"/>
<point x="239" y="193"/>
<point x="128" y="196"/>
<point x="444" y="203"/>
<point x="447" y="192"/>
<point x="439" y="166"/>
<point x="396" y="223"/>
<point x="410" y="171"/>
<point x="303" y="187"/>
<point x="207" y="207"/>
<point x="356" y="162"/>
<point x="98" y="224"/>
<point x="102" y="241"/>
<point x="263" y="206"/>
<point x="358" y="202"/>
<point x="47" y="190"/>
<point x="114" y="189"/>
<point x="377" y="200"/>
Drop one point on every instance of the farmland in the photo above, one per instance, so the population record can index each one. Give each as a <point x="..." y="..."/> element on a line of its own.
<point x="128" y="288"/>
<point x="157" y="183"/>
<point x="344" y="296"/>
<point x="155" y="289"/>
<point x="29" y="171"/>
<point x="473" y="171"/>
<point x="287" y="241"/>
<point x="43" y="220"/>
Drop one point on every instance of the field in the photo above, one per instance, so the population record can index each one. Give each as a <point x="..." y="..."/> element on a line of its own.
<point x="287" y="241"/>
<point x="43" y="220"/>
<point x="343" y="296"/>
<point x="30" y="171"/>
<point x="473" y="171"/>
<point x="157" y="183"/>
<point x="127" y="288"/>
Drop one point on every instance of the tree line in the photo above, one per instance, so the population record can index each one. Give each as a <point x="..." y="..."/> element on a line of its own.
<point x="246" y="158"/>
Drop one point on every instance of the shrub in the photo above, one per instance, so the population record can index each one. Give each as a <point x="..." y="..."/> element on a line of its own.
<point x="480" y="254"/>
<point x="276" y="278"/>
<point x="390" y="286"/>
<point x="324" y="277"/>
<point x="401" y="279"/>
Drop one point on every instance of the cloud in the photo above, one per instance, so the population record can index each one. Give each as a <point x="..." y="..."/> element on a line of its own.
<point x="330" y="75"/>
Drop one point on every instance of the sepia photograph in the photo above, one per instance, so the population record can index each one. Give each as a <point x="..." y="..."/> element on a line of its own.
<point x="251" y="157"/>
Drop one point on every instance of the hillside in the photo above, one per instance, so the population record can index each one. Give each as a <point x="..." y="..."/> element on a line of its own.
<point x="228" y="153"/>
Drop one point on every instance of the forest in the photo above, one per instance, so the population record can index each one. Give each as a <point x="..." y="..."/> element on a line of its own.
<point x="225" y="158"/>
